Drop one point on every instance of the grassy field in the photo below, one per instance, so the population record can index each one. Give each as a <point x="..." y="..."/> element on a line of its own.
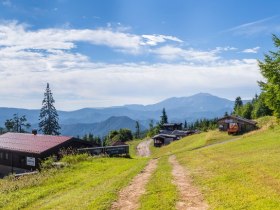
<point x="241" y="174"/>
<point x="92" y="183"/>
<point x="192" y="142"/>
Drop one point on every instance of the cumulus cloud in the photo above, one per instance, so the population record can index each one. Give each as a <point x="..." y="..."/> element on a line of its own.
<point x="155" y="39"/>
<point x="251" y="50"/>
<point x="31" y="58"/>
<point x="169" y="52"/>
<point x="14" y="34"/>
<point x="77" y="82"/>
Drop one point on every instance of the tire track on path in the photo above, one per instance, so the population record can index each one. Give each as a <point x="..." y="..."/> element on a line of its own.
<point x="129" y="196"/>
<point x="190" y="197"/>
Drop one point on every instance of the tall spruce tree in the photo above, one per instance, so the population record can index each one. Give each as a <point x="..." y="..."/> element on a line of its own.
<point x="48" y="116"/>
<point x="163" y="117"/>
<point x="137" y="130"/>
<point x="185" y="125"/>
<point x="270" y="70"/>
<point x="237" y="106"/>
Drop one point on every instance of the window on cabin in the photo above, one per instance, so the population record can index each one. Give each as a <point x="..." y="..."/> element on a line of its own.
<point x="6" y="156"/>
<point x="1" y="155"/>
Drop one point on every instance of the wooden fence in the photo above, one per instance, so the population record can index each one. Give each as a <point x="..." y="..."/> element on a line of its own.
<point x="110" y="150"/>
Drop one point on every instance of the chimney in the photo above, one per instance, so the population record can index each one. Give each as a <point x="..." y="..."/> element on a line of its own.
<point x="34" y="132"/>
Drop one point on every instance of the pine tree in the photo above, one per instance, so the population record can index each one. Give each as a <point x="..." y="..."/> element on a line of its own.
<point x="137" y="130"/>
<point x="247" y="110"/>
<point x="48" y="116"/>
<point x="270" y="70"/>
<point x="260" y="109"/>
<point x="237" y="105"/>
<point x="163" y="117"/>
<point x="185" y="125"/>
<point x="226" y="114"/>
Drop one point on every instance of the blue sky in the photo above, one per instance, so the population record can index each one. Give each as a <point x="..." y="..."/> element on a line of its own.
<point x="103" y="53"/>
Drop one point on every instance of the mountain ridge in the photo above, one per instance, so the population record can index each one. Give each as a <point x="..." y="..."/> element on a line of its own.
<point x="179" y="109"/>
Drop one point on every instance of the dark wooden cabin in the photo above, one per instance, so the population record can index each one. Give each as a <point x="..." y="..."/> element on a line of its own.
<point x="244" y="125"/>
<point x="25" y="151"/>
<point x="163" y="139"/>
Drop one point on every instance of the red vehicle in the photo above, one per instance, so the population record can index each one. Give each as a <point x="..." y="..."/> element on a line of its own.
<point x="233" y="128"/>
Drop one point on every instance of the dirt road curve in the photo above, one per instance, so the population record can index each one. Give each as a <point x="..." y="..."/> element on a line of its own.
<point x="129" y="196"/>
<point x="143" y="149"/>
<point x="190" y="197"/>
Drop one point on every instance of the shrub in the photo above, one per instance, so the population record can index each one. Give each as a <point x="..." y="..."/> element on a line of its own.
<point x="75" y="158"/>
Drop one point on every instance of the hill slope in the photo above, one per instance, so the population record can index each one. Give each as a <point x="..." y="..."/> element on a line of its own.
<point x="239" y="174"/>
<point x="101" y="128"/>
<point x="90" y="183"/>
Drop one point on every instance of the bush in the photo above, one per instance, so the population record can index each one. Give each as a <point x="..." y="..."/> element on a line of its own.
<point x="75" y="158"/>
<point x="48" y="162"/>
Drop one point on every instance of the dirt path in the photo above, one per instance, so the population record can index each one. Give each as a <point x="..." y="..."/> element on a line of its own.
<point x="143" y="149"/>
<point x="190" y="197"/>
<point x="129" y="196"/>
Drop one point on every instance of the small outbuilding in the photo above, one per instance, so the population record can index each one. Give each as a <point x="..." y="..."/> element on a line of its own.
<point x="25" y="151"/>
<point x="236" y="124"/>
<point x="163" y="139"/>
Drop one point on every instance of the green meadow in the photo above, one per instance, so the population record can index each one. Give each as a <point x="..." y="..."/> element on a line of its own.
<point x="235" y="172"/>
<point x="88" y="183"/>
<point x="232" y="172"/>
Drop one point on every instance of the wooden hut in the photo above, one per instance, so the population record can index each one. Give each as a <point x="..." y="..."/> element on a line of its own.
<point x="25" y="151"/>
<point x="242" y="125"/>
<point x="163" y="139"/>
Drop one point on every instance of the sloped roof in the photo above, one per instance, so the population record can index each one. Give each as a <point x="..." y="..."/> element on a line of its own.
<point x="165" y="132"/>
<point x="240" y="119"/>
<point x="164" y="136"/>
<point x="172" y="124"/>
<point x="178" y="132"/>
<point x="23" y="142"/>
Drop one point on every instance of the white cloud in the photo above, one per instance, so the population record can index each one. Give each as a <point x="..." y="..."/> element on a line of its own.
<point x="14" y="34"/>
<point x="31" y="58"/>
<point x="77" y="82"/>
<point x="169" y="52"/>
<point x="221" y="49"/>
<point x="155" y="39"/>
<point x="251" y="50"/>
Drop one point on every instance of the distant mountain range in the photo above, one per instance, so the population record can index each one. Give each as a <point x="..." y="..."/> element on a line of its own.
<point x="100" y="121"/>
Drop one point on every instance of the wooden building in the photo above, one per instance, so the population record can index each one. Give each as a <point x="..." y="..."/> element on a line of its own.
<point x="163" y="139"/>
<point x="180" y="134"/>
<point x="25" y="151"/>
<point x="242" y="125"/>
